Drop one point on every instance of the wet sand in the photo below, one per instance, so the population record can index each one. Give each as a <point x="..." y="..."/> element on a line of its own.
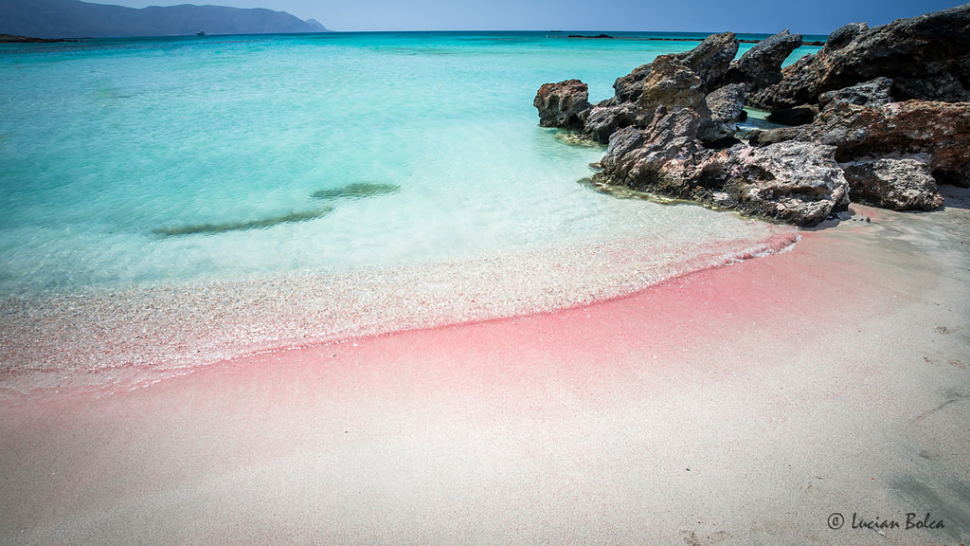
<point x="740" y="405"/>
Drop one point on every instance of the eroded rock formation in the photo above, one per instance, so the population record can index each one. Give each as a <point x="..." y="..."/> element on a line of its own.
<point x="938" y="130"/>
<point x="900" y="184"/>
<point x="560" y="104"/>
<point x="671" y="124"/>
<point x="760" y="66"/>
<point x="927" y="57"/>
<point x="793" y="182"/>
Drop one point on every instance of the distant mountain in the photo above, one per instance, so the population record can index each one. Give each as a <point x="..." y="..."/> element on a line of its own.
<point x="76" y="19"/>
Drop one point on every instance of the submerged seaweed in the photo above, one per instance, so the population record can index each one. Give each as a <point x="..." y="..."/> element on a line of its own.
<point x="573" y="138"/>
<point x="357" y="190"/>
<point x="210" y="229"/>
<point x="623" y="192"/>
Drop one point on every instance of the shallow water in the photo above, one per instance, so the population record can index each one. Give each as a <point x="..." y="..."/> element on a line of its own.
<point x="191" y="165"/>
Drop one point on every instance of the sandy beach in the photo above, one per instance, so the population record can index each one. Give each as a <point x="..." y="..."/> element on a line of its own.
<point x="816" y="396"/>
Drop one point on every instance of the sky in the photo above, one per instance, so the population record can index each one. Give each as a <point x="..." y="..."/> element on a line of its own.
<point x="754" y="16"/>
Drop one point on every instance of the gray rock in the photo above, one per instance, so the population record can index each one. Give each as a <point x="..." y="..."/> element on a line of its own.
<point x="871" y="93"/>
<point x="774" y="136"/>
<point x="604" y="121"/>
<point x="709" y="61"/>
<point x="793" y="182"/>
<point x="643" y="159"/>
<point x="843" y="35"/>
<point x="927" y="57"/>
<point x="673" y="81"/>
<point x="938" y="129"/>
<point x="760" y="66"/>
<point x="628" y="88"/>
<point x="726" y="106"/>
<point x="560" y="104"/>
<point x="712" y="58"/>
<point x="797" y="87"/>
<point x="671" y="84"/>
<point x="899" y="184"/>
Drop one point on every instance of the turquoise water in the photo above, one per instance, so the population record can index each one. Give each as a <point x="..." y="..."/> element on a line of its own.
<point x="106" y="143"/>
<point x="133" y="164"/>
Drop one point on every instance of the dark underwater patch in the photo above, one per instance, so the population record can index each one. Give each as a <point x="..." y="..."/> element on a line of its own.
<point x="262" y="223"/>
<point x="357" y="190"/>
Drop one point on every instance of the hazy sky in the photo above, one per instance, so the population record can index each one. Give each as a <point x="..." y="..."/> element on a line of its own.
<point x="804" y="16"/>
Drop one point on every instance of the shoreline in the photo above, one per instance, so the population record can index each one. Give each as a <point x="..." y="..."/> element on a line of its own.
<point x="744" y="404"/>
<point x="116" y="339"/>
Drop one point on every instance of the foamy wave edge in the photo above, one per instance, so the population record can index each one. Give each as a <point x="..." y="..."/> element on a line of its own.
<point x="107" y="342"/>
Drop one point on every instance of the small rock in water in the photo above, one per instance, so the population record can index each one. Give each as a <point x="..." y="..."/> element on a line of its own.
<point x="560" y="104"/>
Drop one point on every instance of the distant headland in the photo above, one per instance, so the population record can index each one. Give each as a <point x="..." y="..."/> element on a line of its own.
<point x="14" y="39"/>
<point x="59" y="19"/>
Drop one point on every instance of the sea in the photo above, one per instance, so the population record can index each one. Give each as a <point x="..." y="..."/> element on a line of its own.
<point x="172" y="202"/>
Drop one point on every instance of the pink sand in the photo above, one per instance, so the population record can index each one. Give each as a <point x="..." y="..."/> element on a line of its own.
<point x="740" y="405"/>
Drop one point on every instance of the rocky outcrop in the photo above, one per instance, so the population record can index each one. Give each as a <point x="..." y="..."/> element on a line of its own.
<point x="673" y="84"/>
<point x="671" y="124"/>
<point x="760" y="66"/>
<point x="795" y="183"/>
<point x="791" y="182"/>
<point x="709" y="62"/>
<point x="654" y="158"/>
<point x="871" y="93"/>
<point x="899" y="184"/>
<point x="927" y="57"/>
<point x="685" y="80"/>
<point x="675" y="81"/>
<point x="938" y="129"/>
<point x="560" y="104"/>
